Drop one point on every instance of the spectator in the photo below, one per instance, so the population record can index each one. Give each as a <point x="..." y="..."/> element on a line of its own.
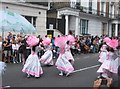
<point x="7" y="46"/>
<point x="15" y="48"/>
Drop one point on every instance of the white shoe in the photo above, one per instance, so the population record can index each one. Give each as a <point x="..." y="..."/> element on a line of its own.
<point x="28" y="76"/>
<point x="61" y="74"/>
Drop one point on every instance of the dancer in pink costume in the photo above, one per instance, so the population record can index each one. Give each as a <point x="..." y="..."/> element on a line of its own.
<point x="32" y="65"/>
<point x="47" y="57"/>
<point x="62" y="63"/>
<point x="109" y="67"/>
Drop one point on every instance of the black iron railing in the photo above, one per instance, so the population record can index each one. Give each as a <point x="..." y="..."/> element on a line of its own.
<point x="83" y="9"/>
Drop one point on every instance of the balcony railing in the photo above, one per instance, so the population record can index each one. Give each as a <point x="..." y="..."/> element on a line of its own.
<point x="85" y="9"/>
<point x="93" y="11"/>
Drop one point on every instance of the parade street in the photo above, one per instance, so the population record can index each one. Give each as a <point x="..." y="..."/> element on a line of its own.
<point x="84" y="75"/>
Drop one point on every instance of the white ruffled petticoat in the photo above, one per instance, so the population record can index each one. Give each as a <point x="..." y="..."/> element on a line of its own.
<point x="63" y="64"/>
<point x="69" y="56"/>
<point x="47" y="58"/>
<point x="32" y="66"/>
<point x="2" y="70"/>
<point x="102" y="57"/>
<point x="110" y="64"/>
<point x="2" y="67"/>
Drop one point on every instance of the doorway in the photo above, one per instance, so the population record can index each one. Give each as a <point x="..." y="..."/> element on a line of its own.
<point x="119" y="30"/>
<point x="50" y="33"/>
<point x="104" y="28"/>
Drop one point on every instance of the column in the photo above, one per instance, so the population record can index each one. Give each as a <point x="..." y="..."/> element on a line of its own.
<point x="32" y="20"/>
<point x="116" y="29"/>
<point x="113" y="11"/>
<point x="32" y="23"/>
<point x="110" y="29"/>
<point x="76" y="27"/>
<point x="66" y="24"/>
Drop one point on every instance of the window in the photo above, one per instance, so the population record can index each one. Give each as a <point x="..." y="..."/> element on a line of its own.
<point x="73" y="3"/>
<point x="90" y="6"/>
<point x="102" y="8"/>
<point x="78" y="4"/>
<point x="113" y="30"/>
<point x="31" y="19"/>
<point x="83" y="26"/>
<point x="34" y="21"/>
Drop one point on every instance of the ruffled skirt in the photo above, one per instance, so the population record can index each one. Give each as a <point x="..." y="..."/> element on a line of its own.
<point x="47" y="58"/>
<point x="63" y="64"/>
<point x="33" y="66"/>
<point x="110" y="65"/>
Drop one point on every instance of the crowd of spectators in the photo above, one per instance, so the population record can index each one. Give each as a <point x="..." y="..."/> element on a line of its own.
<point x="15" y="49"/>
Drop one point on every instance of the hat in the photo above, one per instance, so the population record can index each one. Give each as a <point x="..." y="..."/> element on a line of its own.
<point x="46" y="41"/>
<point x="106" y="39"/>
<point x="32" y="40"/>
<point x="112" y="43"/>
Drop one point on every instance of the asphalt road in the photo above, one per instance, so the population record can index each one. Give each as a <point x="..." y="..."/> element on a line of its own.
<point x="86" y="66"/>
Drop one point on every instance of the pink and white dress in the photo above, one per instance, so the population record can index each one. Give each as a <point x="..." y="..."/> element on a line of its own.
<point x="109" y="64"/>
<point x="47" y="57"/>
<point x="32" y="65"/>
<point x="63" y="64"/>
<point x="68" y="53"/>
<point x="103" y="54"/>
<point x="2" y="70"/>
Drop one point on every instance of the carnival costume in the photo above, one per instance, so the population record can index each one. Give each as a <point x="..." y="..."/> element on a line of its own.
<point x="32" y="65"/>
<point x="47" y="57"/>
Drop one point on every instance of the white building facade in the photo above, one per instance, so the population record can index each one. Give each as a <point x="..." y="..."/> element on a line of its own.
<point x="90" y="17"/>
<point x="114" y="23"/>
<point x="35" y="14"/>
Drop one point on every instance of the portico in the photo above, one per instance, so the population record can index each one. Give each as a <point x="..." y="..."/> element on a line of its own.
<point x="69" y="13"/>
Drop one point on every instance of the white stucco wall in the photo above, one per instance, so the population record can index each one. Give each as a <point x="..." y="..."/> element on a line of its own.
<point x="94" y="24"/>
<point x="72" y="23"/>
<point x="94" y="4"/>
<point x="30" y="11"/>
<point x="94" y="27"/>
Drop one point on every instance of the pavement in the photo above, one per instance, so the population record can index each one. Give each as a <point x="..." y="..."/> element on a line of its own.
<point x="84" y="75"/>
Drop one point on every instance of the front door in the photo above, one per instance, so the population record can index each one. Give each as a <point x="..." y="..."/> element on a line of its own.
<point x="113" y="30"/>
<point x="104" y="28"/>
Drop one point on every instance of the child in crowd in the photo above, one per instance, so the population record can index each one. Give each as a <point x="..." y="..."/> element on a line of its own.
<point x="15" y="48"/>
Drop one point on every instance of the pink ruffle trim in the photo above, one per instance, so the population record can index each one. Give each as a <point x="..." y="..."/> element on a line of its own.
<point x="33" y="73"/>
